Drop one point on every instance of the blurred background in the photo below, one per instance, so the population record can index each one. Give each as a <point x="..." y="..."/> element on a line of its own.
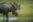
<point x="25" y="14"/>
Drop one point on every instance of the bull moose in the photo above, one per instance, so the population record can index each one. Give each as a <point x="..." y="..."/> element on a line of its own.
<point x="5" y="8"/>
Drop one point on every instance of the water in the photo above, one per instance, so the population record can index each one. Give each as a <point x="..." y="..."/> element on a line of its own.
<point x="10" y="18"/>
<point x="17" y="19"/>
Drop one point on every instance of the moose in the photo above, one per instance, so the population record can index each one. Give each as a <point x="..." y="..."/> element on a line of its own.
<point x="5" y="8"/>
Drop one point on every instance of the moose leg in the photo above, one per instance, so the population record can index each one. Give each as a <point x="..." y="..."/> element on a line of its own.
<point x="3" y="18"/>
<point x="6" y="17"/>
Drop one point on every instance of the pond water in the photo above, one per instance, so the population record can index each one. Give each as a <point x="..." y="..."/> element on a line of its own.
<point x="10" y="18"/>
<point x="17" y="19"/>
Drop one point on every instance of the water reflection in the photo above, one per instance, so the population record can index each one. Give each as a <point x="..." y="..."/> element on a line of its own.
<point x="16" y="19"/>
